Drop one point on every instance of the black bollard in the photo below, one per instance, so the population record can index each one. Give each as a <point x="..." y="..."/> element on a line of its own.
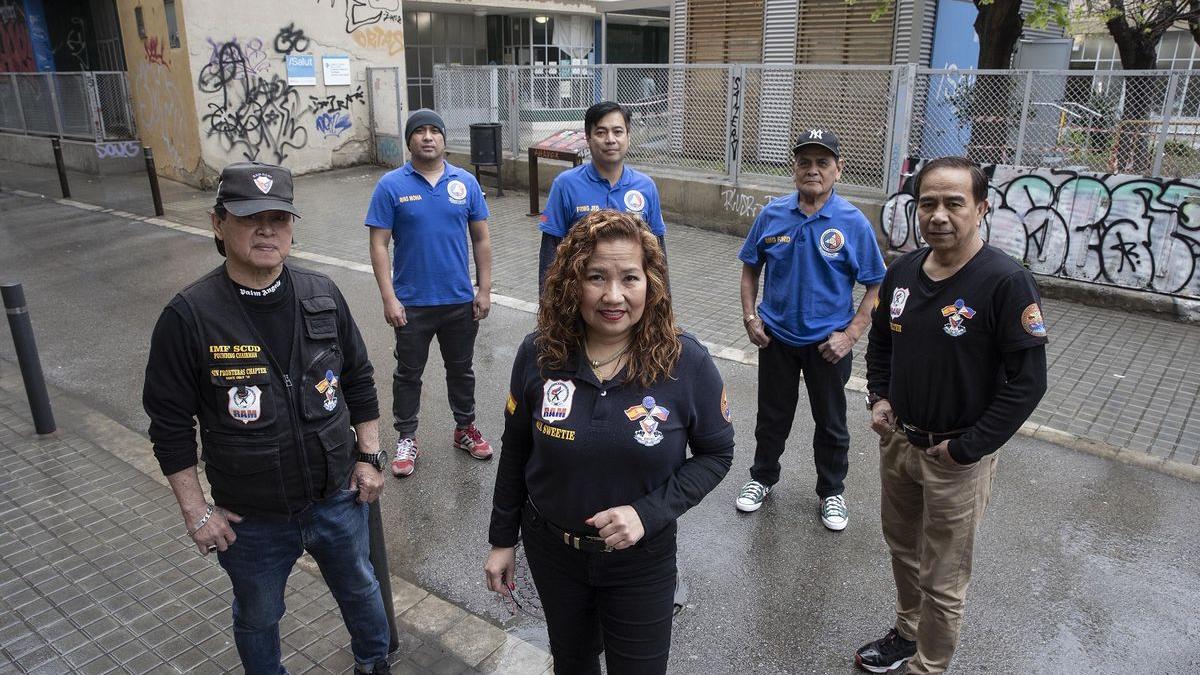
<point x="27" y="357"/>
<point x="62" y="168"/>
<point x="153" y="175"/>
<point x="382" y="573"/>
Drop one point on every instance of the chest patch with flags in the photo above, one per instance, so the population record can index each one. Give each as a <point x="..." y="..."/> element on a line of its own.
<point x="245" y="404"/>
<point x="648" y="414"/>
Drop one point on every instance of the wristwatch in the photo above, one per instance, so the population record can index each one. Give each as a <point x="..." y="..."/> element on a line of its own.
<point x="872" y="399"/>
<point x="376" y="460"/>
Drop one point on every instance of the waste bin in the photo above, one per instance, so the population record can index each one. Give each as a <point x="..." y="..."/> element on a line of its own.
<point x="485" y="150"/>
<point x="485" y="143"/>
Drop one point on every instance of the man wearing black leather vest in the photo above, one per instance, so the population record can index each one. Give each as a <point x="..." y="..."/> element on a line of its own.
<point x="270" y="362"/>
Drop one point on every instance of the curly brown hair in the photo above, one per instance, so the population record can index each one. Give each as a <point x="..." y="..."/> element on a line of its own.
<point x="654" y="348"/>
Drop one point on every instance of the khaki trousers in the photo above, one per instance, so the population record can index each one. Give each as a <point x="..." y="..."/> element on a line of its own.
<point x="930" y="513"/>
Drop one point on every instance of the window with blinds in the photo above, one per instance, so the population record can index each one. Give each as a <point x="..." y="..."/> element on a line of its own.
<point x="724" y="31"/>
<point x="834" y="32"/>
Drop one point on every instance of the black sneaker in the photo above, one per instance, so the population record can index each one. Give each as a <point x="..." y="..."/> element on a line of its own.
<point x="886" y="654"/>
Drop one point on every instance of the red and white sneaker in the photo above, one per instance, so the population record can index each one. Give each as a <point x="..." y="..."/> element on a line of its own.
<point x="406" y="457"/>
<point x="468" y="438"/>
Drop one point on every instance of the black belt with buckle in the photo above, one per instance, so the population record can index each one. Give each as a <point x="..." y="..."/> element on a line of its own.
<point x="585" y="543"/>
<point x="927" y="439"/>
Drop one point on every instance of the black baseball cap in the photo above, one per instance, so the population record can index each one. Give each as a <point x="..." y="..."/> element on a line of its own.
<point x="247" y="188"/>
<point x="822" y="137"/>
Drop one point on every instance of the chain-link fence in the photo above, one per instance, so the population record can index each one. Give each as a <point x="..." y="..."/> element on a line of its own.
<point x="1129" y="122"/>
<point x="853" y="101"/>
<point x="737" y="122"/>
<point x="88" y="105"/>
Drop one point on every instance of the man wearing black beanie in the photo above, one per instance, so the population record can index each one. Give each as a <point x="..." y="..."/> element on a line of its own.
<point x="429" y="207"/>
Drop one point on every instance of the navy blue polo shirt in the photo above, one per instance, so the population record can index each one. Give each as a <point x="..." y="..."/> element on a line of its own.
<point x="812" y="263"/>
<point x="581" y="190"/>
<point x="575" y="446"/>
<point x="429" y="228"/>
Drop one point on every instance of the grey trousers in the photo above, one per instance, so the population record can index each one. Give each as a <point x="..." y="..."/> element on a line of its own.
<point x="455" y="328"/>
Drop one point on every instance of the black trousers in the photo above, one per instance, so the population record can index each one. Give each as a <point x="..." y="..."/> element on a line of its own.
<point x="779" y="370"/>
<point x="620" y="603"/>
<point x="455" y="327"/>
<point x="549" y="249"/>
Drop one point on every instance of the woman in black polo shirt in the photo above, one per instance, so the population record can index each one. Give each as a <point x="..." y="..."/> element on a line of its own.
<point x="605" y="398"/>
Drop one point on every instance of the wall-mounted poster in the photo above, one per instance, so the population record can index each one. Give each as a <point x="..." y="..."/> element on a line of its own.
<point x="301" y="69"/>
<point x="337" y="70"/>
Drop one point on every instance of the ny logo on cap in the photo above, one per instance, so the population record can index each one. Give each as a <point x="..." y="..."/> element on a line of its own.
<point x="263" y="181"/>
<point x="815" y="134"/>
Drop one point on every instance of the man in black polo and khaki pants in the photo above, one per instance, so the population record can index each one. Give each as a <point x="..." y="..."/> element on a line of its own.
<point x="956" y="362"/>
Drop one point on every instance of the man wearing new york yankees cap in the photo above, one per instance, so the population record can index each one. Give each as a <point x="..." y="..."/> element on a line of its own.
<point x="814" y="246"/>
<point x="267" y="358"/>
<point x="430" y="208"/>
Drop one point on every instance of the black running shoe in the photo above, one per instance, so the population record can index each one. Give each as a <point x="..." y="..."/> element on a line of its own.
<point x="885" y="654"/>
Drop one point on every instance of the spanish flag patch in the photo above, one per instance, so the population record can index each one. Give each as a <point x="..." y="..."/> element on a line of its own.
<point x="510" y="405"/>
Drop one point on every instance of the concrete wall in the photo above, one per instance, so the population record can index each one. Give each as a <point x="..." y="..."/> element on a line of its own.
<point x="85" y="156"/>
<point x="246" y="108"/>
<point x="161" y="88"/>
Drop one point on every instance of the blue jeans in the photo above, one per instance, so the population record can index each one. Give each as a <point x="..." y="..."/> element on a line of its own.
<point x="334" y="531"/>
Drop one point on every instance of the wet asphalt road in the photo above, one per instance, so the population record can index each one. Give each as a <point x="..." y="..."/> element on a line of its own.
<point x="1082" y="565"/>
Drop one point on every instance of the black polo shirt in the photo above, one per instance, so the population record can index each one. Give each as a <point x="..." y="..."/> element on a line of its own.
<point x="963" y="354"/>
<point x="575" y="447"/>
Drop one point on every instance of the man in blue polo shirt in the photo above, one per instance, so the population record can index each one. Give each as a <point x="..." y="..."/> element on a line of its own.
<point x="429" y="207"/>
<point x="603" y="183"/>
<point x="815" y="246"/>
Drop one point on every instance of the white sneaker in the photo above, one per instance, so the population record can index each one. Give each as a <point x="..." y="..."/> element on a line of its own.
<point x="752" y="496"/>
<point x="834" y="514"/>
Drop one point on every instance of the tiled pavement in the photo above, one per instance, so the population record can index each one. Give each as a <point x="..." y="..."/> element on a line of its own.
<point x="97" y="577"/>
<point x="1128" y="380"/>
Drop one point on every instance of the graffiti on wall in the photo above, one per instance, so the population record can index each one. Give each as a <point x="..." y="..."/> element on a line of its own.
<point x="376" y="37"/>
<point x="74" y="45"/>
<point x="389" y="151"/>
<point x="16" y="50"/>
<point x="361" y="13"/>
<point x="162" y="120"/>
<point x="332" y="103"/>
<point x="256" y="115"/>
<point x="1131" y="231"/>
<point x="254" y="58"/>
<point x="333" y="123"/>
<point x="290" y="39"/>
<point x="153" y="47"/>
<point x="118" y="149"/>
<point x="742" y="204"/>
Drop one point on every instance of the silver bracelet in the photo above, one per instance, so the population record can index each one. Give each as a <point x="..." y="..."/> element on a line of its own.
<point x="203" y="521"/>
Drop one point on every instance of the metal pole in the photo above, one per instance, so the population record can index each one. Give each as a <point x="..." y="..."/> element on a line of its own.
<point x="152" y="174"/>
<point x="27" y="357"/>
<point x="1024" y="118"/>
<point x="62" y="168"/>
<point x="1168" y="108"/>
<point x="382" y="574"/>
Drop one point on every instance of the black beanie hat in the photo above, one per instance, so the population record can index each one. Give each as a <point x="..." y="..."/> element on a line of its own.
<point x="421" y="117"/>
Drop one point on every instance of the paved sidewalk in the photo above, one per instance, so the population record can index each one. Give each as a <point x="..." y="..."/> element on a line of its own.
<point x="97" y="577"/>
<point x="1119" y="382"/>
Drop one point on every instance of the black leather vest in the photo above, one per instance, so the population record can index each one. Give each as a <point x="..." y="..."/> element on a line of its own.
<point x="269" y="430"/>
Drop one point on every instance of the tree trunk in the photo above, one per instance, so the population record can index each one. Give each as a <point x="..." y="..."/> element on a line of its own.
<point x="1138" y="47"/>
<point x="998" y="26"/>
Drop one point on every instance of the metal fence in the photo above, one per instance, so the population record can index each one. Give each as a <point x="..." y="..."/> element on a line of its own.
<point x="1129" y="122"/>
<point x="88" y="105"/>
<point x="736" y="121"/>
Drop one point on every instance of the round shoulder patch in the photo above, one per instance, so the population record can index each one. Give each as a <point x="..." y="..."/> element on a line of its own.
<point x="635" y="201"/>
<point x="832" y="241"/>
<point x="456" y="189"/>
<point x="1032" y="321"/>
